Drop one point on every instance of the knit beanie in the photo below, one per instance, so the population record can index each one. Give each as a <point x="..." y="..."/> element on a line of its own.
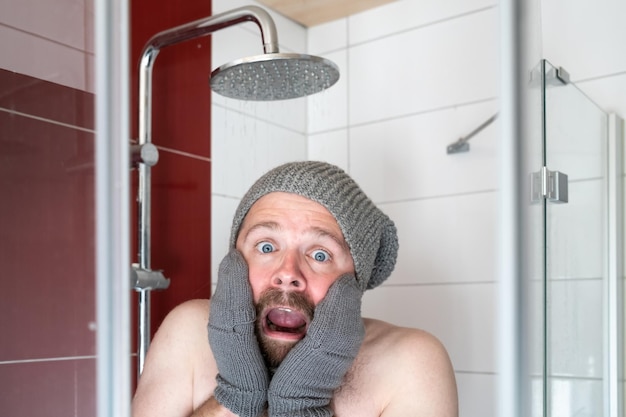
<point x="370" y="234"/>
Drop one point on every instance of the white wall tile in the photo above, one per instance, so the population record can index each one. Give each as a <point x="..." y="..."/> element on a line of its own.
<point x="476" y="397"/>
<point x="331" y="147"/>
<point x="533" y="41"/>
<point x="576" y="232"/>
<point x="329" y="109"/>
<point x="575" y="332"/>
<point x="291" y="35"/>
<point x="399" y="16"/>
<point x="61" y="21"/>
<point x="235" y="42"/>
<point x="586" y="38"/>
<point x="573" y="397"/>
<point x="437" y="66"/>
<point x="535" y="346"/>
<point x="41" y="58"/>
<point x="575" y="128"/>
<point x="608" y="92"/>
<point x="289" y="114"/>
<point x="461" y="316"/>
<point x="222" y="212"/>
<point x="450" y="239"/>
<point x="328" y="37"/>
<point x="90" y="27"/>
<point x="406" y="158"/>
<point x="90" y="73"/>
<point x="243" y="148"/>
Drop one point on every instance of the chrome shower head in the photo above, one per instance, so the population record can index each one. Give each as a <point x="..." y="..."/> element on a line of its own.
<point x="274" y="76"/>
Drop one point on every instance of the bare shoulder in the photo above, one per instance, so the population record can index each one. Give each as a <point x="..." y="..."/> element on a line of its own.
<point x="185" y="324"/>
<point x="407" y="344"/>
<point x="416" y="368"/>
<point x="197" y="309"/>
<point x="166" y="386"/>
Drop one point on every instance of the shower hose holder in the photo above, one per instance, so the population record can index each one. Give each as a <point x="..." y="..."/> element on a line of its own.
<point x="146" y="279"/>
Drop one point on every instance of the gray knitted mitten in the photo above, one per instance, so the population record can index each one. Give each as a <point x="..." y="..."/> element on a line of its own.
<point x="243" y="379"/>
<point x="306" y="379"/>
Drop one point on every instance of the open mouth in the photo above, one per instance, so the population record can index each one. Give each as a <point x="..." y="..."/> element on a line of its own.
<point x="285" y="323"/>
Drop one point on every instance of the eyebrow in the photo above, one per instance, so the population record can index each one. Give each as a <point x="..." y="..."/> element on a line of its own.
<point x="262" y="225"/>
<point x="327" y="233"/>
<point x="319" y="231"/>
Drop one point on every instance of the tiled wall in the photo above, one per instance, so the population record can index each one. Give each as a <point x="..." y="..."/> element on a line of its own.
<point x="411" y="89"/>
<point x="47" y="291"/>
<point x="416" y="76"/>
<point x="180" y="129"/>
<point x="51" y="42"/>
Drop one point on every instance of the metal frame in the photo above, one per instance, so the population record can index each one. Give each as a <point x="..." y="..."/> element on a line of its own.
<point x="112" y="215"/>
<point x="513" y="393"/>
<point x="614" y="342"/>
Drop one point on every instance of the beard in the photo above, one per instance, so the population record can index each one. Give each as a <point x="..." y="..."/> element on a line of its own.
<point x="273" y="350"/>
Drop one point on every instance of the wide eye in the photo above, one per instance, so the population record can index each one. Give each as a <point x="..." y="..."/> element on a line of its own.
<point x="320" y="255"/>
<point x="265" y="247"/>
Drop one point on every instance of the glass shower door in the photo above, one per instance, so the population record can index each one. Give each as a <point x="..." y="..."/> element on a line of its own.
<point x="575" y="132"/>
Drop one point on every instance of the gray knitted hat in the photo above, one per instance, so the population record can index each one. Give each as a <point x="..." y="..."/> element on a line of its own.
<point x="370" y="234"/>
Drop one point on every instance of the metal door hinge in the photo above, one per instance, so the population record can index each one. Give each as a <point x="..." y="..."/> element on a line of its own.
<point x="549" y="185"/>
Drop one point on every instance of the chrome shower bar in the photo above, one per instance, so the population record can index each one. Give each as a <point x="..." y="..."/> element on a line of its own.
<point x="144" y="279"/>
<point x="462" y="144"/>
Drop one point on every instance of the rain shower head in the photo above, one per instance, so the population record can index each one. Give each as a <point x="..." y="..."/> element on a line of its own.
<point x="274" y="76"/>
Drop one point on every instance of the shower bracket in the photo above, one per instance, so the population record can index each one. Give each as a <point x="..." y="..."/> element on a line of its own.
<point x="145" y="153"/>
<point x="549" y="185"/>
<point x="146" y="279"/>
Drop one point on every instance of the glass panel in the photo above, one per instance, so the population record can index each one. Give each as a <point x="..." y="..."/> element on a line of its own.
<point x="47" y="308"/>
<point x="575" y="131"/>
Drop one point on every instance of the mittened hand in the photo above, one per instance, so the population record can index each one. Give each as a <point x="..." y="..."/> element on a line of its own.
<point x="305" y="381"/>
<point x="243" y="379"/>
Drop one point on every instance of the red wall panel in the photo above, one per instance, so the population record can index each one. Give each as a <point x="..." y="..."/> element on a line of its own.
<point x="181" y="183"/>
<point x="47" y="223"/>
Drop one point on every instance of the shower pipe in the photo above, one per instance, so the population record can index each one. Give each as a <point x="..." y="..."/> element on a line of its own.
<point x="145" y="279"/>
<point x="462" y="145"/>
<point x="271" y="76"/>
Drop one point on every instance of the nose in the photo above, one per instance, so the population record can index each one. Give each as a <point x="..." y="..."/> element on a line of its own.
<point x="288" y="276"/>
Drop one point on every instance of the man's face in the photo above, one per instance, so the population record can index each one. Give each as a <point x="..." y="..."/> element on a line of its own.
<point x="295" y="251"/>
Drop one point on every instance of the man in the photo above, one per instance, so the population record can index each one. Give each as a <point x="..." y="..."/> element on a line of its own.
<point x="285" y="333"/>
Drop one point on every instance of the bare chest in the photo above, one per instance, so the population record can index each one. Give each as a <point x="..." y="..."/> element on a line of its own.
<point x="358" y="396"/>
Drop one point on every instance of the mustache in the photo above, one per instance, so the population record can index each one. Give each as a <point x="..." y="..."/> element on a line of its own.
<point x="294" y="300"/>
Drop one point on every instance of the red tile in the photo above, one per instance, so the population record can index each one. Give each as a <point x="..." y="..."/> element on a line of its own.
<point x="46" y="239"/>
<point x="45" y="99"/>
<point x="181" y="97"/>
<point x="57" y="388"/>
<point x="181" y="185"/>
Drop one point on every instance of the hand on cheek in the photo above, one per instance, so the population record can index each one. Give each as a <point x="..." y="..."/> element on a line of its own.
<point x="305" y="381"/>
<point x="243" y="379"/>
